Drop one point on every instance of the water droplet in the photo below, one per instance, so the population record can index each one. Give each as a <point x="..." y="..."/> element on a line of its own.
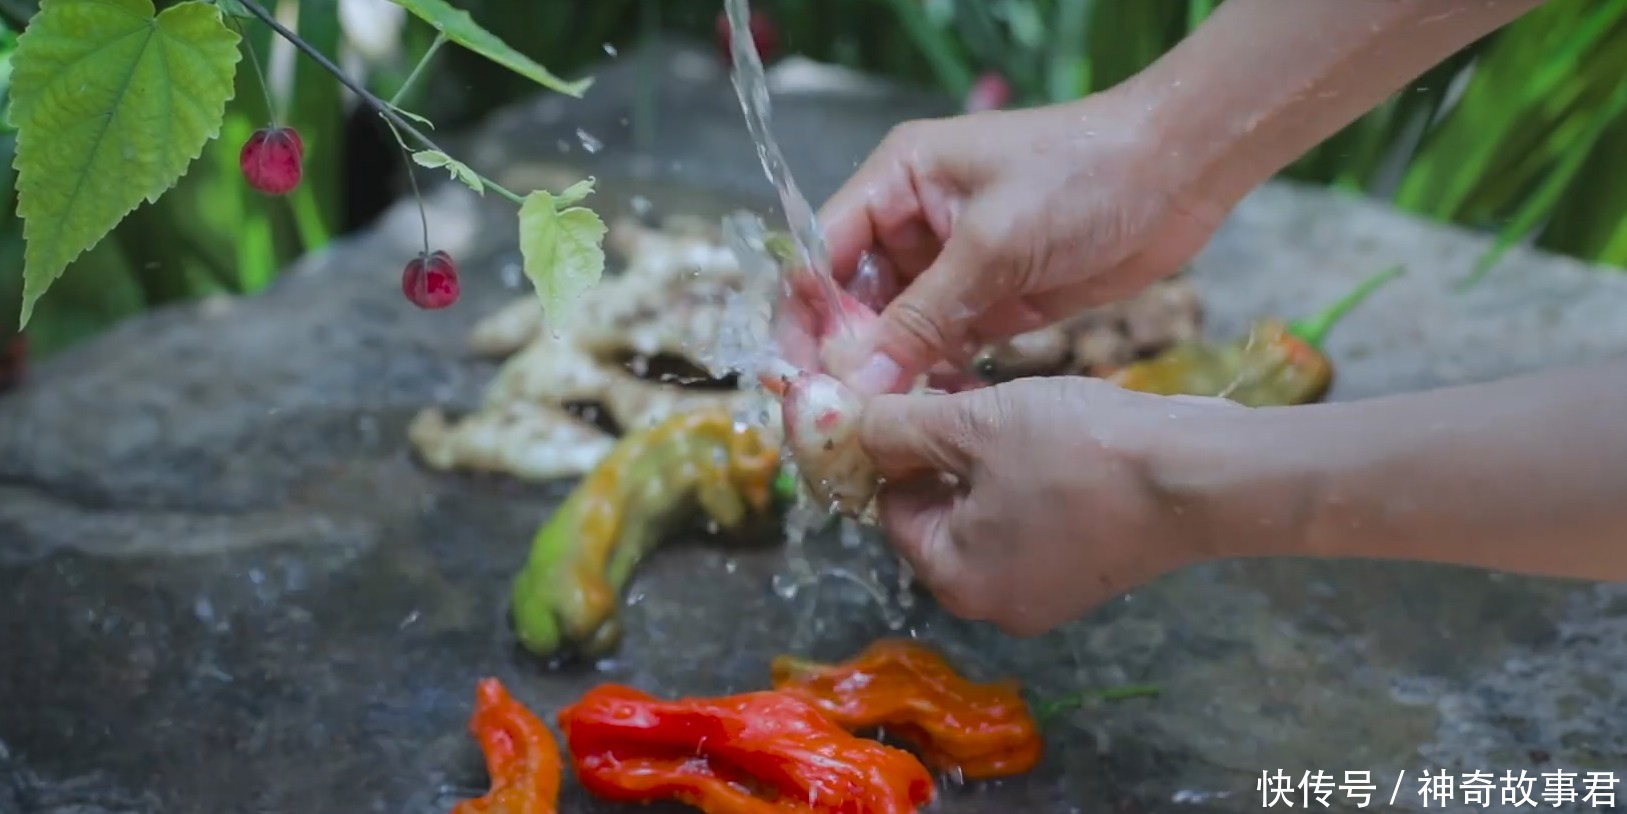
<point x="610" y="49"/>
<point x="589" y="143"/>
<point x="511" y="274"/>
<point x="786" y="586"/>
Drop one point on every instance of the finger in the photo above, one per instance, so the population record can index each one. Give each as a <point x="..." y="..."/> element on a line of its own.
<point x="930" y="320"/>
<point x="914" y="514"/>
<point x="848" y="218"/>
<point x="875" y="283"/>
<point x="796" y="330"/>
<point x="911" y="435"/>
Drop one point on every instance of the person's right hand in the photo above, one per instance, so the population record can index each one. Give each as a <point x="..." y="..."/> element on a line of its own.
<point x="994" y="224"/>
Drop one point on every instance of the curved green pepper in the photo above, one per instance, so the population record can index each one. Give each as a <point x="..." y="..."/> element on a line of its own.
<point x="569" y="591"/>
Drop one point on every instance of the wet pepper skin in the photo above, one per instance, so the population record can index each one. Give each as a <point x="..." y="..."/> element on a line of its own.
<point x="979" y="731"/>
<point x="522" y="756"/>
<point x="1278" y="364"/>
<point x="569" y="591"/>
<point x="1270" y="367"/>
<point x="754" y="753"/>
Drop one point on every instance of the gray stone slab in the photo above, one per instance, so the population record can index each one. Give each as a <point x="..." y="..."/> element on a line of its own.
<point x="225" y="585"/>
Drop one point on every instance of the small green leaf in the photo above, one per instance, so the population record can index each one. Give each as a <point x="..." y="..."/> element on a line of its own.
<point x="407" y="114"/>
<point x="111" y="105"/>
<point x="574" y="193"/>
<point x="435" y="159"/>
<point x="563" y="250"/>
<point x="462" y="29"/>
<point x="234" y="8"/>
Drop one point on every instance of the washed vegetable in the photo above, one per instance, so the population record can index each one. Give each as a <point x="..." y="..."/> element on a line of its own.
<point x="820" y="413"/>
<point x="1277" y="363"/>
<point x="978" y="731"/>
<point x="522" y="757"/>
<point x="569" y="592"/>
<point x="821" y="418"/>
<point x="753" y="753"/>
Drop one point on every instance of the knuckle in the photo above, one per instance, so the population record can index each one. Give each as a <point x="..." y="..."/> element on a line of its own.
<point x="905" y="135"/>
<point x="985" y="239"/>
<point x="919" y="326"/>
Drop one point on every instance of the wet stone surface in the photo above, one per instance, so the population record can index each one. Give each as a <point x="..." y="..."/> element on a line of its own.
<point x="226" y="586"/>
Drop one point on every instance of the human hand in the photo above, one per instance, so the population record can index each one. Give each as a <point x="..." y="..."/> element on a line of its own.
<point x="1062" y="499"/>
<point x="990" y="225"/>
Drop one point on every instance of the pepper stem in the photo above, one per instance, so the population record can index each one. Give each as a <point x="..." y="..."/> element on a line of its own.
<point x="1046" y="710"/>
<point x="785" y="485"/>
<point x="1314" y="329"/>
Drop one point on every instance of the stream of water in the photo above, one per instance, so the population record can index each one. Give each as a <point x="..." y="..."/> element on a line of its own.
<point x="751" y="85"/>
<point x="748" y="353"/>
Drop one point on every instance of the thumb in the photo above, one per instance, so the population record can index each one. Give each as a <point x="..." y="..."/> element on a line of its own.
<point x="909" y="435"/>
<point x="928" y="322"/>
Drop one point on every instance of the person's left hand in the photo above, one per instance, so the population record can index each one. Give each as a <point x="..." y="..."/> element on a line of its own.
<point x="1059" y="501"/>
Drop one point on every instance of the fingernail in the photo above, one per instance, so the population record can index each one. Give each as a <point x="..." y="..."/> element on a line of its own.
<point x="877" y="376"/>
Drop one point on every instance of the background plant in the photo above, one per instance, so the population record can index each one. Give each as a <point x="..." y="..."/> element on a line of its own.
<point x="1522" y="135"/>
<point x="111" y="101"/>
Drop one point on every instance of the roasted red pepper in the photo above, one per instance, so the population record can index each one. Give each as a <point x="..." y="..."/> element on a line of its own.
<point x="522" y="756"/>
<point x="979" y="731"/>
<point x="754" y="753"/>
<point x="1276" y="364"/>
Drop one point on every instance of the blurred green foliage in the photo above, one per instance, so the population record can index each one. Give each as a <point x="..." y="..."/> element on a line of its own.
<point x="1521" y="135"/>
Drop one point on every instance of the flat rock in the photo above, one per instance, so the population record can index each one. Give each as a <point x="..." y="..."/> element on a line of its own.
<point x="226" y="586"/>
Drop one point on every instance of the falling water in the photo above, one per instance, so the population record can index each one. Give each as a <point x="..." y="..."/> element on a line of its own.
<point x="749" y="350"/>
<point x="751" y="85"/>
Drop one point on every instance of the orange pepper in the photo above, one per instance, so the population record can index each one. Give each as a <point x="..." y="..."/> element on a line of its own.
<point x="980" y="731"/>
<point x="752" y="753"/>
<point x="1277" y="364"/>
<point x="522" y="756"/>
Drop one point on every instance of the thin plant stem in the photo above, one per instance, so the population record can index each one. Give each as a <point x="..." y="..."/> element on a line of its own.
<point x="423" y="62"/>
<point x="362" y="93"/>
<point x="412" y="178"/>
<point x="265" y="87"/>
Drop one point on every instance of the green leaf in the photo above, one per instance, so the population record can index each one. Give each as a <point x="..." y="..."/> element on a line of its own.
<point x="563" y="250"/>
<point x="574" y="193"/>
<point x="407" y="114"/>
<point x="435" y="159"/>
<point x="234" y="8"/>
<point x="111" y="105"/>
<point x="462" y="29"/>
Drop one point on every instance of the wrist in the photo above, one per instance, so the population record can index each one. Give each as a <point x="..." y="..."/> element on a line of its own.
<point x="1243" y="482"/>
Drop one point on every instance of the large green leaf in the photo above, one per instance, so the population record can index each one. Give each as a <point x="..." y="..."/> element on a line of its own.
<point x="111" y="104"/>
<point x="462" y="29"/>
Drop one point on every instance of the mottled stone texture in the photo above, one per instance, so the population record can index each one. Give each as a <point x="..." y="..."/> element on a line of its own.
<point x="225" y="585"/>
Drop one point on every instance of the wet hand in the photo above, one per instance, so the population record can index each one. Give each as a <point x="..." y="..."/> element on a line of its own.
<point x="1057" y="502"/>
<point x="988" y="225"/>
